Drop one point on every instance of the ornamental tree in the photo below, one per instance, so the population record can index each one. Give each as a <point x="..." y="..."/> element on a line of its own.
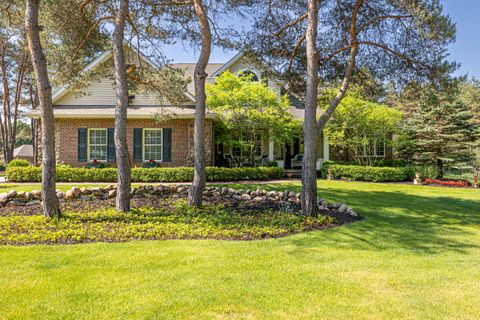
<point x="248" y="111"/>
<point x="361" y="126"/>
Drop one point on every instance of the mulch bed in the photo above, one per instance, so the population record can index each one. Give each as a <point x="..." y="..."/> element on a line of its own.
<point x="93" y="205"/>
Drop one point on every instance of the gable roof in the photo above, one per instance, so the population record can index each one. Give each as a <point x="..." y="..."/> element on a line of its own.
<point x="189" y="70"/>
<point x="25" y="150"/>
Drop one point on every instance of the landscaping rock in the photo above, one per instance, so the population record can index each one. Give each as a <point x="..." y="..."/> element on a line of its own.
<point x="21" y="195"/>
<point x="342" y="208"/>
<point x="60" y="195"/>
<point x="292" y="194"/>
<point x="85" y="197"/>
<point x="112" y="193"/>
<point x="245" y="197"/>
<point x="3" y="197"/>
<point x="85" y="191"/>
<point x="33" y="203"/>
<point x="12" y="194"/>
<point x="260" y="198"/>
<point x="236" y="197"/>
<point x="37" y="194"/>
<point x="16" y="203"/>
<point x="70" y="195"/>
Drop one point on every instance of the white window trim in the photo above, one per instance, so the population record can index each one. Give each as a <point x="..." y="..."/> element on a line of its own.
<point x="161" y="144"/>
<point x="88" y="143"/>
<point x="375" y="150"/>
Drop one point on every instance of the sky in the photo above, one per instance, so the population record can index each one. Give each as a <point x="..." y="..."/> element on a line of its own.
<point x="464" y="13"/>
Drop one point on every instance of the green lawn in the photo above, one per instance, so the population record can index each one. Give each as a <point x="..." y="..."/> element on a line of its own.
<point x="416" y="255"/>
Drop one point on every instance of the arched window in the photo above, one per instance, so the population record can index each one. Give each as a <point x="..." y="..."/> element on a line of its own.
<point x="249" y="73"/>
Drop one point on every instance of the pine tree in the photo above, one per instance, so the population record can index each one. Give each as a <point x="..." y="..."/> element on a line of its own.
<point x="443" y="130"/>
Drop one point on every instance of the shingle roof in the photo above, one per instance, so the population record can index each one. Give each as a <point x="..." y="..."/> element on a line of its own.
<point x="132" y="112"/>
<point x="25" y="150"/>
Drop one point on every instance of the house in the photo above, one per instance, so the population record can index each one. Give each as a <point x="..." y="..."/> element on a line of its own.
<point x="156" y="129"/>
<point x="24" y="152"/>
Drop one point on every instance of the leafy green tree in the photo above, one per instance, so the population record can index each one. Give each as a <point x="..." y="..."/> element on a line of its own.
<point x="443" y="129"/>
<point x="248" y="111"/>
<point x="361" y="126"/>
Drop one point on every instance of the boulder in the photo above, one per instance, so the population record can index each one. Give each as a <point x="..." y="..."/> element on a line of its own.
<point x="29" y="196"/>
<point x="33" y="203"/>
<point x="60" y="195"/>
<point x="291" y="194"/>
<point x="85" y="197"/>
<point x="112" y="193"/>
<point x="37" y="194"/>
<point x="3" y="197"/>
<point x="271" y="194"/>
<point x="70" y="195"/>
<point x="260" y="198"/>
<point x="16" y="203"/>
<point x="342" y="208"/>
<point x="21" y="195"/>
<point x="12" y="194"/>
<point x="97" y="191"/>
<point x="236" y="197"/>
<point x="85" y="191"/>
<point x="245" y="197"/>
<point x="76" y="191"/>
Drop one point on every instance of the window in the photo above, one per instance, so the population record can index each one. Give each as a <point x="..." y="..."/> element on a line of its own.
<point x="374" y="148"/>
<point x="152" y="144"/>
<point x="97" y="143"/>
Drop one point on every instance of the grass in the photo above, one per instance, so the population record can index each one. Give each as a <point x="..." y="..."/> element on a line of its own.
<point x="416" y="255"/>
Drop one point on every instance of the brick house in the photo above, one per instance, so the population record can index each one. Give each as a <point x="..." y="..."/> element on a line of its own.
<point x="84" y="123"/>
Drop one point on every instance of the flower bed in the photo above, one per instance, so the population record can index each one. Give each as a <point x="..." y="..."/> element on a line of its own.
<point x="160" y="212"/>
<point x="448" y="183"/>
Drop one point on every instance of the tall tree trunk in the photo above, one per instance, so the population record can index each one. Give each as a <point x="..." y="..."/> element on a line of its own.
<point x="122" y="201"/>
<point x="34" y="124"/>
<point x="195" y="193"/>
<point x="50" y="203"/>
<point x="310" y="136"/>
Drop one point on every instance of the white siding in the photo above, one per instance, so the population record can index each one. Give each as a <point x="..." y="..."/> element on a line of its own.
<point x="102" y="93"/>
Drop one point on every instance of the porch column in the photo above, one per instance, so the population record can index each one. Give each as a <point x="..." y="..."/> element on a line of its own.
<point x="271" y="148"/>
<point x="326" y="148"/>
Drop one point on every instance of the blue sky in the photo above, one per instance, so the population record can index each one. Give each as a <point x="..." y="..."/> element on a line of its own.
<point x="465" y="50"/>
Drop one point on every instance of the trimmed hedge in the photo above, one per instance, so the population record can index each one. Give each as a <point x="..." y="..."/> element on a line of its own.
<point x="180" y="174"/>
<point x="365" y="173"/>
<point x="18" y="163"/>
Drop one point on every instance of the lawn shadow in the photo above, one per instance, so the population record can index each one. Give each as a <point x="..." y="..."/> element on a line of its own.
<point x="401" y="220"/>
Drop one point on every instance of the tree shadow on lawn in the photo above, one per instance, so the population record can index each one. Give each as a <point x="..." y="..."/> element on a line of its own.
<point x="402" y="220"/>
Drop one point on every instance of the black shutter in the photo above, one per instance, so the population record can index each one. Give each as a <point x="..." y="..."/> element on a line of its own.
<point x="137" y="145"/>
<point x="110" y="145"/>
<point x="82" y="145"/>
<point x="167" y="145"/>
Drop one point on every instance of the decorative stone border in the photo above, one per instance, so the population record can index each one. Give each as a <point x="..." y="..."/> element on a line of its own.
<point x="22" y="198"/>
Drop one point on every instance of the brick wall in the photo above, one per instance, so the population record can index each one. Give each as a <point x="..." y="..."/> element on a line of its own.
<point x="66" y="136"/>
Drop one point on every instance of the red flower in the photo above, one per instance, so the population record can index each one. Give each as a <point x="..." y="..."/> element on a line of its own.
<point x="449" y="183"/>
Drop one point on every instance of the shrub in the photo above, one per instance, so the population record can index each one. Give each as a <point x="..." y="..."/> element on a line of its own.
<point x="180" y="174"/>
<point x="365" y="173"/>
<point x="18" y="163"/>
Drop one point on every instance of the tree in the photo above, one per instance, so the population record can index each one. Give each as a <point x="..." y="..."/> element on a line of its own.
<point x="248" y="111"/>
<point x="50" y="203"/>
<point x="443" y="129"/>
<point x="195" y="193"/>
<point x="122" y="200"/>
<point x="394" y="39"/>
<point x="362" y="127"/>
<point x="310" y="137"/>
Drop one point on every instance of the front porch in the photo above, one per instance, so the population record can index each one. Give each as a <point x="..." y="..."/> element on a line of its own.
<point x="287" y="156"/>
